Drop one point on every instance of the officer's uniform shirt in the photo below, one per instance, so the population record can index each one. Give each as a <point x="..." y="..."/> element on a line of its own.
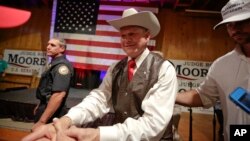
<point x="55" y="79"/>
<point x="61" y="74"/>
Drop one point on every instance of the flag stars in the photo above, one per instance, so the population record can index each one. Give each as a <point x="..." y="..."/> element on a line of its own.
<point x="74" y="16"/>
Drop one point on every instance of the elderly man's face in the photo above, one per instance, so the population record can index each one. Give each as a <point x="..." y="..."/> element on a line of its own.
<point x="239" y="31"/>
<point x="134" y="40"/>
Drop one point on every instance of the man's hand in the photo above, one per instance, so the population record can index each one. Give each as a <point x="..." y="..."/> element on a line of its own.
<point x="37" y="125"/>
<point x="61" y="136"/>
<point x="83" y="134"/>
<point x="67" y="133"/>
<point x="44" y="132"/>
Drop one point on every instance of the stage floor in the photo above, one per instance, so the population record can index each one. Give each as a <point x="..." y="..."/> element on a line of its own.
<point x="19" y="98"/>
<point x="29" y="96"/>
<point x="19" y="104"/>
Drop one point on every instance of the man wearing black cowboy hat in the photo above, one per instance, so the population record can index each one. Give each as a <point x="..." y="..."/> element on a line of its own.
<point x="140" y="89"/>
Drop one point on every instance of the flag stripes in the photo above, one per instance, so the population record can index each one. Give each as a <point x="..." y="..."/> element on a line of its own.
<point x="96" y="51"/>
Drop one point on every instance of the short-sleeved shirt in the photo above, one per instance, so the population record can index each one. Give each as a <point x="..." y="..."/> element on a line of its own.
<point x="226" y="74"/>
<point x="56" y="79"/>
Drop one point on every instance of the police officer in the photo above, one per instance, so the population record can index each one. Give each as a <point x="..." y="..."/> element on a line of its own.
<point x="54" y="84"/>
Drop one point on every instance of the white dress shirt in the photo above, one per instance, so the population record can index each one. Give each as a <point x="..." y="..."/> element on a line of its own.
<point x="157" y="105"/>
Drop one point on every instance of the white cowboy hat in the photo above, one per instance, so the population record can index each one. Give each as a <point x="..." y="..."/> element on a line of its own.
<point x="144" y="19"/>
<point x="234" y="11"/>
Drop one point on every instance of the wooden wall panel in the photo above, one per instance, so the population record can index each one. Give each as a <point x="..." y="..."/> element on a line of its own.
<point x="189" y="36"/>
<point x="32" y="35"/>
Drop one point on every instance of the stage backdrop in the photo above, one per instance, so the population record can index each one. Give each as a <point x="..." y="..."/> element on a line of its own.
<point x="24" y="62"/>
<point x="92" y="43"/>
<point x="190" y="74"/>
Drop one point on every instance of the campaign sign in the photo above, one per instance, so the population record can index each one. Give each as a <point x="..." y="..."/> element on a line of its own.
<point x="190" y="75"/>
<point x="25" y="62"/>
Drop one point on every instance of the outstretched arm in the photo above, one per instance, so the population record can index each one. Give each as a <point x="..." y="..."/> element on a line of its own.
<point x="189" y="98"/>
<point x="53" y="104"/>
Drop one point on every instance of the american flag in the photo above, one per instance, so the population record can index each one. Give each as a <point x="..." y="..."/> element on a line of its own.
<point x="91" y="42"/>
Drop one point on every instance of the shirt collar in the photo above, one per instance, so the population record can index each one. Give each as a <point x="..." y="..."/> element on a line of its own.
<point x="57" y="59"/>
<point x="140" y="58"/>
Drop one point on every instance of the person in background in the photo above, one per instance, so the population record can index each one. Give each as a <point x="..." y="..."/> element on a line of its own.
<point x="54" y="85"/>
<point x="227" y="72"/>
<point x="140" y="89"/>
<point x="3" y="67"/>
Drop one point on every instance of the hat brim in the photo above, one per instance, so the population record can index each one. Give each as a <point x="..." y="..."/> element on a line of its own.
<point x="11" y="17"/>
<point x="236" y="18"/>
<point x="144" y="19"/>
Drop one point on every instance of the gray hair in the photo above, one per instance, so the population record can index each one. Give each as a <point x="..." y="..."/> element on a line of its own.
<point x="62" y="42"/>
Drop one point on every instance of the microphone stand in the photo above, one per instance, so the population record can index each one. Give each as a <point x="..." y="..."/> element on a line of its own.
<point x="214" y="126"/>
<point x="190" y="84"/>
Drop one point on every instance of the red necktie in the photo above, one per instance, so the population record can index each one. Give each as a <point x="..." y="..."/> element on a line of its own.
<point x="131" y="66"/>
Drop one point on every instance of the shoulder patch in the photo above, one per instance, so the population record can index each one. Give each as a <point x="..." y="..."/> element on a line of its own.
<point x="63" y="70"/>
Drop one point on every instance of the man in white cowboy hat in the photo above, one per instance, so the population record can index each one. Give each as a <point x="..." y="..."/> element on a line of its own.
<point x="140" y="89"/>
<point x="229" y="71"/>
